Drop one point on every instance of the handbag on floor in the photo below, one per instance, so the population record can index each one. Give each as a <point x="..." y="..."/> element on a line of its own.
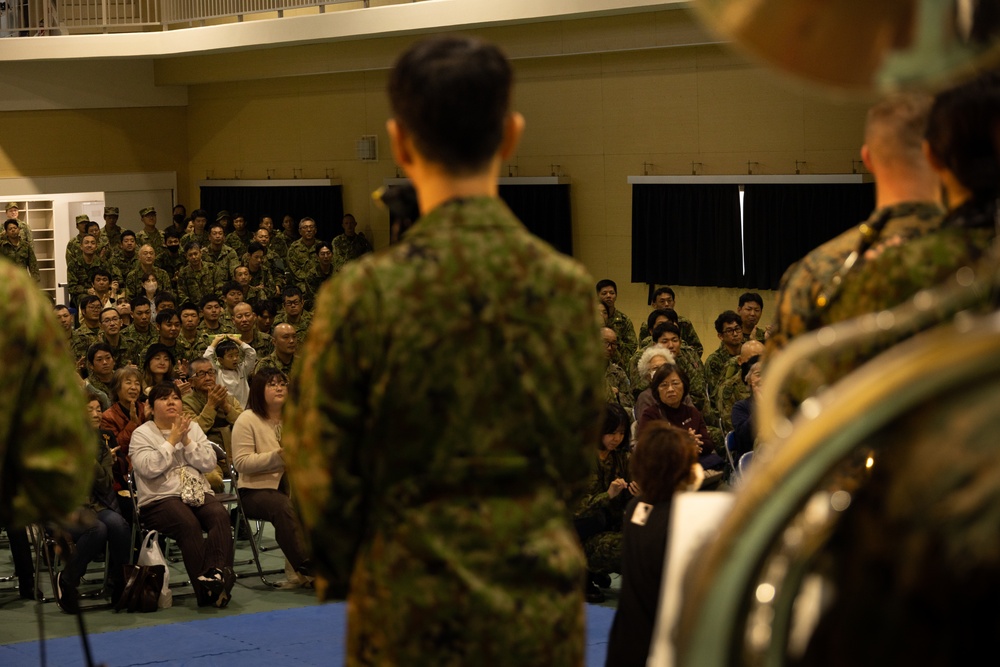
<point x="142" y="588"/>
<point x="150" y="555"/>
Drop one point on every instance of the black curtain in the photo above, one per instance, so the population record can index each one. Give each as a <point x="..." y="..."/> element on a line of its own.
<point x="781" y="223"/>
<point x="324" y="203"/>
<point x="686" y="235"/>
<point x="544" y="210"/>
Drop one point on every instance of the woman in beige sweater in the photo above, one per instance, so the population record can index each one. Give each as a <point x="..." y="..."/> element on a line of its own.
<point x="259" y="460"/>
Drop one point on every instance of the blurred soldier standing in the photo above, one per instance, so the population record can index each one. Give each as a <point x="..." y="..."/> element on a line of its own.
<point x="436" y="451"/>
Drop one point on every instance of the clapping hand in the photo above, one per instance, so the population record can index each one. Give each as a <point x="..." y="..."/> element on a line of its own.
<point x="617" y="486"/>
<point x="179" y="430"/>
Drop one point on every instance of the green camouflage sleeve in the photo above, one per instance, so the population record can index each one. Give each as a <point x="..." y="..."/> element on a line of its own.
<point x="47" y="445"/>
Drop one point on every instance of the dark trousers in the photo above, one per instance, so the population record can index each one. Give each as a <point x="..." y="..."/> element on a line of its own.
<point x="20" y="548"/>
<point x="201" y="553"/>
<point x="275" y="507"/>
<point x="107" y="527"/>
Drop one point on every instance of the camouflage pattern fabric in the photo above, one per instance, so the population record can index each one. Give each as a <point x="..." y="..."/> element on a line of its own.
<point x="81" y="340"/>
<point x="301" y="259"/>
<point x="731" y="389"/>
<point x="807" y="284"/>
<point x="121" y="265"/>
<point x="301" y="327"/>
<point x="757" y="334"/>
<point x="314" y="280"/>
<point x="112" y="236"/>
<point x="262" y="343"/>
<point x="239" y="243"/>
<point x="688" y="335"/>
<point x="279" y="246"/>
<point x="133" y="281"/>
<point x="272" y="361"/>
<point x="201" y="237"/>
<point x="715" y="367"/>
<point x="172" y="263"/>
<point x="346" y="248"/>
<point x="619" y="389"/>
<point x="194" y="284"/>
<point x="435" y="454"/>
<point x="79" y="276"/>
<point x="263" y="284"/>
<point x="47" y="447"/>
<point x="22" y="254"/>
<point x="627" y="342"/>
<point x="189" y="350"/>
<point x="225" y="260"/>
<point x="604" y="550"/>
<point x="154" y="239"/>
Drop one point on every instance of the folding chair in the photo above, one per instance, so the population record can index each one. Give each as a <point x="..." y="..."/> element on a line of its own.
<point x="255" y="548"/>
<point x="745" y="462"/>
<point x="45" y="551"/>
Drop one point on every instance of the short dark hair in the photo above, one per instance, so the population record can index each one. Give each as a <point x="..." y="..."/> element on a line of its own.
<point x="170" y="233"/>
<point x="160" y="391"/>
<point x="207" y="299"/>
<point x="751" y="296"/>
<point x="224" y="346"/>
<point x="727" y="317"/>
<point x="662" y="460"/>
<point x="127" y="232"/>
<point x="86" y="300"/>
<point x="138" y="301"/>
<point x="61" y="306"/>
<point x="99" y="271"/>
<point x="664" y="290"/>
<point x="668" y="313"/>
<point x="199" y="213"/>
<point x="290" y="291"/>
<point x="323" y="244"/>
<point x="254" y="246"/>
<point x="258" y="383"/>
<point x="262" y="306"/>
<point x="615" y="419"/>
<point x="166" y="315"/>
<point x="451" y="93"/>
<point x="212" y="225"/>
<point x="960" y="133"/>
<point x="607" y="282"/>
<point x="664" y="327"/>
<point x="108" y="309"/>
<point x="98" y="347"/>
<point x="231" y="286"/>
<point x="187" y="305"/>
<point x="8" y="223"/>
<point x="662" y="373"/>
<point x="191" y="245"/>
<point x="160" y="297"/>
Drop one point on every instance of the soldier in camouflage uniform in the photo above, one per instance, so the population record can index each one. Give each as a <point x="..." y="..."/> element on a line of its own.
<point x="141" y="333"/>
<point x="240" y="237"/>
<point x="294" y="313"/>
<point x="200" y="231"/>
<point x="198" y="278"/>
<point x="285" y="343"/>
<point x="319" y="274"/>
<point x="147" y="266"/>
<point x="12" y="214"/>
<point x="245" y="323"/>
<point x="751" y="307"/>
<point x="112" y="232"/>
<point x="47" y="448"/>
<point x="89" y="330"/>
<point x="732" y="388"/>
<point x="171" y="260"/>
<point x="906" y="206"/>
<point x="212" y="323"/>
<point x="149" y="235"/>
<point x="16" y="250"/>
<point x="729" y="328"/>
<point x="79" y="272"/>
<point x="663" y="298"/>
<point x="451" y="528"/>
<point x="619" y="389"/>
<point x="120" y="346"/>
<point x="263" y="283"/>
<point x="218" y="253"/>
<point x="349" y="245"/>
<point x="277" y="246"/>
<point x="73" y="247"/>
<point x="628" y="344"/>
<point x="124" y="258"/>
<point x="302" y="254"/>
<point x="190" y="341"/>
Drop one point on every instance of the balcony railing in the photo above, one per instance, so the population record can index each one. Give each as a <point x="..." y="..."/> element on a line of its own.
<point x="22" y="18"/>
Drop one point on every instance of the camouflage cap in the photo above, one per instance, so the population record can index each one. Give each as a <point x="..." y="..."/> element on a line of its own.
<point x="82" y="218"/>
<point x="149" y="210"/>
<point x="110" y="210"/>
<point x="222" y="215"/>
<point x="11" y="205"/>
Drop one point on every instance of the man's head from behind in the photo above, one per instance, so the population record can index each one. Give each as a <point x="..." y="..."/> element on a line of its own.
<point x="449" y="98"/>
<point x="894" y="131"/>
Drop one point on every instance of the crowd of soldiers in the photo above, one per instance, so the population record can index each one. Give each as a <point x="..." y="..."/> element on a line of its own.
<point x="184" y="285"/>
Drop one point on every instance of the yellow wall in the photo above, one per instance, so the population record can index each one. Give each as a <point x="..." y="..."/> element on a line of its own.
<point x="599" y="117"/>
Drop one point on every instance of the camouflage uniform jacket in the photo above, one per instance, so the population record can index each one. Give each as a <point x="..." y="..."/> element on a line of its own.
<point x="618" y="386"/>
<point x="346" y="248"/>
<point x="122" y="352"/>
<point x="225" y="260"/>
<point x="627" y="342"/>
<point x="46" y="453"/>
<point x="193" y="284"/>
<point x="301" y="259"/>
<point x="314" y="280"/>
<point x="688" y="335"/>
<point x="757" y="334"/>
<point x="715" y="367"/>
<point x="272" y="361"/>
<point x="133" y="281"/>
<point x="83" y="337"/>
<point x="154" y="239"/>
<point x="201" y="237"/>
<point x="263" y="282"/>
<point x="305" y="319"/>
<point x="112" y="236"/>
<point x="21" y="254"/>
<point x="444" y="500"/>
<point x="172" y="263"/>
<point x="122" y="265"/>
<point x="262" y="343"/>
<point x="239" y="242"/>
<point x="279" y="246"/>
<point x="190" y="350"/>
<point x="79" y="278"/>
<point x="139" y="341"/>
<point x="596" y="499"/>
<point x="731" y="389"/>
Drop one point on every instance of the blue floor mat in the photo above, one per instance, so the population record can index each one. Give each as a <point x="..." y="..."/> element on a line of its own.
<point x="311" y="635"/>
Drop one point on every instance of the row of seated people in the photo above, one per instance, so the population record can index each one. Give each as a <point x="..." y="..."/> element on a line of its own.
<point x="152" y="434"/>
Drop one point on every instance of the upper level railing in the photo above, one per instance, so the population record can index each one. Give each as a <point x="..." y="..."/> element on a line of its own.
<point x="22" y="18"/>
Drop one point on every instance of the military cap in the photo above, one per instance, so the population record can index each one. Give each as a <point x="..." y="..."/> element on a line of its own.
<point x="110" y="210"/>
<point x="11" y="205"/>
<point x="82" y="218"/>
<point x="149" y="210"/>
<point x="222" y="215"/>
